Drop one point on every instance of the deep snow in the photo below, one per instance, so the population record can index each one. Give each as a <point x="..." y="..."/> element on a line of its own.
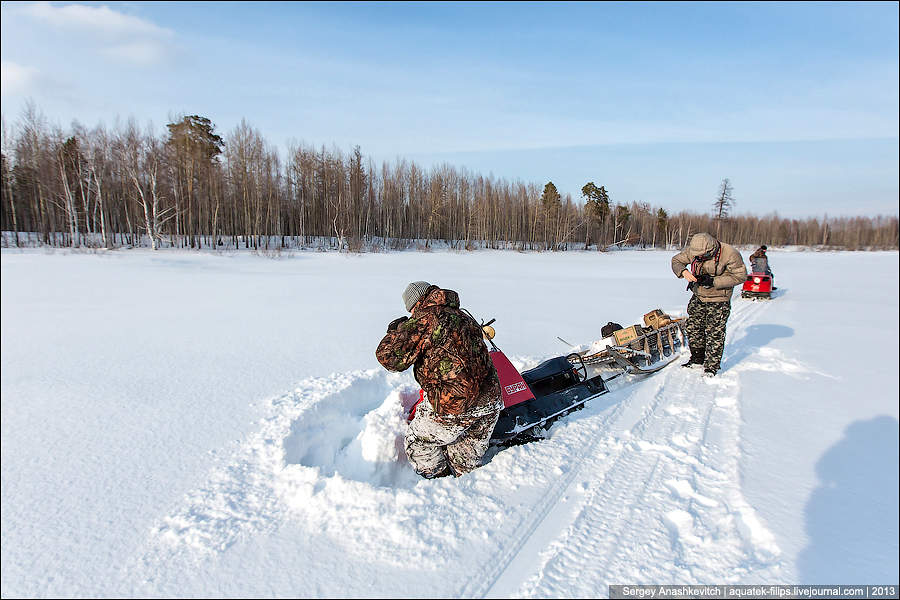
<point x="196" y="425"/>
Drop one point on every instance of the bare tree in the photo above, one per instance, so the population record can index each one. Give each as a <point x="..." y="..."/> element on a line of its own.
<point x="142" y="155"/>
<point x="723" y="204"/>
<point x="81" y="186"/>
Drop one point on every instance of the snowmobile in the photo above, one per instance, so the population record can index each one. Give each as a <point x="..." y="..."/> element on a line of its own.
<point x="534" y="399"/>
<point x="758" y="286"/>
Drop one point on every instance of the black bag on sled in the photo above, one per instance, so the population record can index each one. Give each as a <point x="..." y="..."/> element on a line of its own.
<point x="608" y="329"/>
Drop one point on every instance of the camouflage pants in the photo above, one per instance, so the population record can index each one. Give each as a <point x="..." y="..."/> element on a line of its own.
<point x="705" y="329"/>
<point x="455" y="445"/>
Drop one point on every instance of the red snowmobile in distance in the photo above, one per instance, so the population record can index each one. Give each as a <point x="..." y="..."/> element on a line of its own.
<point x="757" y="286"/>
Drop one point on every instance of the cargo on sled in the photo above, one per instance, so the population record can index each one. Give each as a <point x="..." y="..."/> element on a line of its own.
<point x="534" y="399"/>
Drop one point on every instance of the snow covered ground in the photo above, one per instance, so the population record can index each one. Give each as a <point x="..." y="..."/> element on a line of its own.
<point x="178" y="424"/>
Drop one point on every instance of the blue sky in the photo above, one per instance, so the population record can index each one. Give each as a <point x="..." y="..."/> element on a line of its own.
<point x="796" y="103"/>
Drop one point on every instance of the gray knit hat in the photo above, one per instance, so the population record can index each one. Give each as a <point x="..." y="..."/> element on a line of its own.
<point x="413" y="293"/>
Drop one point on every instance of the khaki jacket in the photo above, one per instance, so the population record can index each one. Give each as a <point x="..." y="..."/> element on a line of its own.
<point x="728" y="271"/>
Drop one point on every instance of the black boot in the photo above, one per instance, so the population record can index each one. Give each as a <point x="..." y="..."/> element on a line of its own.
<point x="698" y="355"/>
<point x="445" y="472"/>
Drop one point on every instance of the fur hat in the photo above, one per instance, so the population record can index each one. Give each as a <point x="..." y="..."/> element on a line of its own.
<point x="413" y="293"/>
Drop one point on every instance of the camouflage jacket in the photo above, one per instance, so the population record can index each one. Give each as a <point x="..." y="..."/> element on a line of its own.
<point x="445" y="344"/>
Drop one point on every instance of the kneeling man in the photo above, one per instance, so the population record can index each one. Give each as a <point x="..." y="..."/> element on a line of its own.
<point x="452" y="426"/>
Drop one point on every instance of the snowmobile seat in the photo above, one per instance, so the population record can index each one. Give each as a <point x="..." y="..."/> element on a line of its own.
<point x="550" y="376"/>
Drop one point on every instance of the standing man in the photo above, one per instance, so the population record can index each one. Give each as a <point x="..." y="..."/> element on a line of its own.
<point x="713" y="269"/>
<point x="461" y="402"/>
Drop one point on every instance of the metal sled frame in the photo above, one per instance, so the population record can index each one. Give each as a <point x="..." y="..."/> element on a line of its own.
<point x="650" y="348"/>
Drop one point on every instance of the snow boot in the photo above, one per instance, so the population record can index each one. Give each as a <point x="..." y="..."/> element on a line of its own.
<point x="445" y="472"/>
<point x="709" y="373"/>
<point x="698" y="356"/>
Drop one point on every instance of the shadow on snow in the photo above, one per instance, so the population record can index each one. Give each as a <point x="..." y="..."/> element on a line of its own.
<point x="851" y="518"/>
<point x="754" y="338"/>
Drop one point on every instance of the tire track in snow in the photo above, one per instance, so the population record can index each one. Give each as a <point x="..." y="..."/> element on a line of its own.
<point x="596" y="534"/>
<point x="595" y="446"/>
<point x="479" y="585"/>
<point x="665" y="512"/>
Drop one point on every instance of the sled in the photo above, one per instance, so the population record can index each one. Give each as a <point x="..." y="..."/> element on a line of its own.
<point x="647" y="353"/>
<point x="534" y="399"/>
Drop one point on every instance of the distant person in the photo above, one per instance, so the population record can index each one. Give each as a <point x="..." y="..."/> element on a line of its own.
<point x="759" y="262"/>
<point x="452" y="426"/>
<point x="713" y="269"/>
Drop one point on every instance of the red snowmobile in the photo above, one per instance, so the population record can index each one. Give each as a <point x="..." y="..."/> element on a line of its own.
<point x="757" y="286"/>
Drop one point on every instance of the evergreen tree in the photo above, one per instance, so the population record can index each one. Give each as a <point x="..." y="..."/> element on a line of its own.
<point x="596" y="206"/>
<point x="662" y="227"/>
<point x="550" y="198"/>
<point x="551" y="201"/>
<point x="194" y="135"/>
<point x="195" y="147"/>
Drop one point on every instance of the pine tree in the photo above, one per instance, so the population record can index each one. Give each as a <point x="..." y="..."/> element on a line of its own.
<point x="662" y="227"/>
<point x="196" y="148"/>
<point x="551" y="201"/>
<point x="596" y="207"/>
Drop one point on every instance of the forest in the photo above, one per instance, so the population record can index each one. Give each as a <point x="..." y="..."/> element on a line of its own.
<point x="191" y="187"/>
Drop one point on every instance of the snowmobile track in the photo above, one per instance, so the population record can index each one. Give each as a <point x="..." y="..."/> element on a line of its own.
<point x="676" y="508"/>
<point x="481" y="584"/>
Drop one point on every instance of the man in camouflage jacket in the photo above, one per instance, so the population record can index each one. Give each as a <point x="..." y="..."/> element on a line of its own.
<point x="452" y="426"/>
<point x="713" y="269"/>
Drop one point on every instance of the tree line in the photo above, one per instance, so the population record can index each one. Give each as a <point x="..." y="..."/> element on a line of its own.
<point x="192" y="187"/>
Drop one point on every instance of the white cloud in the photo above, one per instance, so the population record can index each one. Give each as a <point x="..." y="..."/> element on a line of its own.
<point x="141" y="52"/>
<point x="16" y="79"/>
<point x="99" y="19"/>
<point x="121" y="36"/>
